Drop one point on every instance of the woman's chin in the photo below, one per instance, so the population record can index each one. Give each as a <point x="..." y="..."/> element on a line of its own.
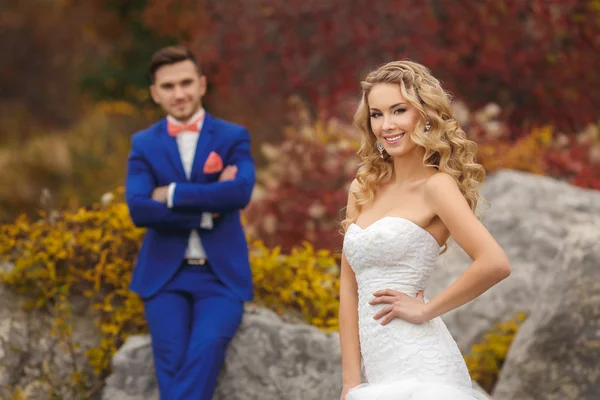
<point x="400" y="151"/>
<point x="397" y="152"/>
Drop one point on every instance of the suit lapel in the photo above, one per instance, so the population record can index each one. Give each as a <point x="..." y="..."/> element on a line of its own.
<point x="203" y="149"/>
<point x="170" y="144"/>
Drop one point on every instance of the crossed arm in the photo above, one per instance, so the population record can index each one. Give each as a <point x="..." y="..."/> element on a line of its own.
<point x="190" y="200"/>
<point x="224" y="195"/>
<point x="146" y="212"/>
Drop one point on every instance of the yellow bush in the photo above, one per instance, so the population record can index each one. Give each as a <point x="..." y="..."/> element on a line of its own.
<point x="487" y="357"/>
<point x="305" y="281"/>
<point x="90" y="253"/>
<point x="526" y="154"/>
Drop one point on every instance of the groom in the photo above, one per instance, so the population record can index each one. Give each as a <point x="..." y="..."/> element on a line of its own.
<point x="188" y="177"/>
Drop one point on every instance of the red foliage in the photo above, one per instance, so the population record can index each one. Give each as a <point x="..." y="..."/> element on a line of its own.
<point x="537" y="59"/>
<point x="301" y="192"/>
<point x="44" y="47"/>
<point x="577" y="158"/>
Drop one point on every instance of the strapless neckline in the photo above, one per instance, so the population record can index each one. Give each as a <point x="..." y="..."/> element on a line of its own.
<point x="428" y="234"/>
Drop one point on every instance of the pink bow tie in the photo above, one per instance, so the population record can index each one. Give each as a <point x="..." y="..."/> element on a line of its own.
<point x="175" y="129"/>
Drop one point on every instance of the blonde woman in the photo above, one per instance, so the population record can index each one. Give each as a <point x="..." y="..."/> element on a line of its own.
<point x="417" y="185"/>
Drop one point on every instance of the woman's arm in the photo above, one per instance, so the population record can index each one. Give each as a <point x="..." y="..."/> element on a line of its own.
<point x="348" y="326"/>
<point x="348" y="319"/>
<point x="490" y="264"/>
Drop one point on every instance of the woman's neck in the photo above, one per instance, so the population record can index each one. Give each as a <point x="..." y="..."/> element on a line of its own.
<point x="410" y="167"/>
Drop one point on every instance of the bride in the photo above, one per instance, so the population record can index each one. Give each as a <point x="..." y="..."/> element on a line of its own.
<point x="417" y="185"/>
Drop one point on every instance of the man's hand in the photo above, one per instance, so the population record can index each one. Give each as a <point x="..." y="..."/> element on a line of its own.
<point x="160" y="194"/>
<point x="229" y="173"/>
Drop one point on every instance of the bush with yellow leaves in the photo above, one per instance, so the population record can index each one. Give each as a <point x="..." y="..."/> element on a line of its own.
<point x="89" y="253"/>
<point x="487" y="357"/>
<point x="305" y="281"/>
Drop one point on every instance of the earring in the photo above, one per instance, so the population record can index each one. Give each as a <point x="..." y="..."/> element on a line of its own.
<point x="427" y="126"/>
<point x="380" y="149"/>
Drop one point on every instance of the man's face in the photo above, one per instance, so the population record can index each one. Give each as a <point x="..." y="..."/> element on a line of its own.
<point x="178" y="88"/>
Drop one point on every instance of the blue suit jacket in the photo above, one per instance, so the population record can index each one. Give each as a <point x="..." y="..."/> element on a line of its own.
<point x="155" y="161"/>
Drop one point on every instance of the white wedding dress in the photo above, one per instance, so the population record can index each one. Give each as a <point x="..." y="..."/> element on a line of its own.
<point x="402" y="361"/>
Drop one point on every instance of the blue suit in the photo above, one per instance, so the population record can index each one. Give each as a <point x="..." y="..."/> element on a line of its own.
<point x="192" y="311"/>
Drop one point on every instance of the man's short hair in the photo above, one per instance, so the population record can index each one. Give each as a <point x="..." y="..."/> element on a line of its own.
<point x="171" y="55"/>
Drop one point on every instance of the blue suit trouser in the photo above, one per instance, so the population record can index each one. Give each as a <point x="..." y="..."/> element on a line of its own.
<point x="191" y="320"/>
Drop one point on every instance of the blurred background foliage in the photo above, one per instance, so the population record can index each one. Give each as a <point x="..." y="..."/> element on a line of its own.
<point x="74" y="88"/>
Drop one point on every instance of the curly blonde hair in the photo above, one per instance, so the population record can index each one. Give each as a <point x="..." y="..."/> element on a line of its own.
<point x="446" y="145"/>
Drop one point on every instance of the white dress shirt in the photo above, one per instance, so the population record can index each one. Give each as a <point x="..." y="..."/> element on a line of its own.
<point x="187" y="142"/>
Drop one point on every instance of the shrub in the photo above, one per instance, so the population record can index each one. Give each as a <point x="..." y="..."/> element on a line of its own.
<point x="87" y="253"/>
<point x="301" y="191"/>
<point x="525" y="154"/>
<point x="487" y="357"/>
<point x="576" y="158"/>
<point x="320" y="50"/>
<point x="304" y="281"/>
<point x="70" y="168"/>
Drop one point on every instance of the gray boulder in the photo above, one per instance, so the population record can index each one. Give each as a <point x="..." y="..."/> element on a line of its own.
<point x="556" y="354"/>
<point x="33" y="360"/>
<point x="268" y="359"/>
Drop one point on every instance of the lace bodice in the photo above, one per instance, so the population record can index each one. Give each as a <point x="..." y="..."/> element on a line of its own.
<point x="395" y="253"/>
<point x="392" y="253"/>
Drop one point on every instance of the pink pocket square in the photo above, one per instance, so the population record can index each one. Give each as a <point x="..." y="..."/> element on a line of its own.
<point x="213" y="164"/>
